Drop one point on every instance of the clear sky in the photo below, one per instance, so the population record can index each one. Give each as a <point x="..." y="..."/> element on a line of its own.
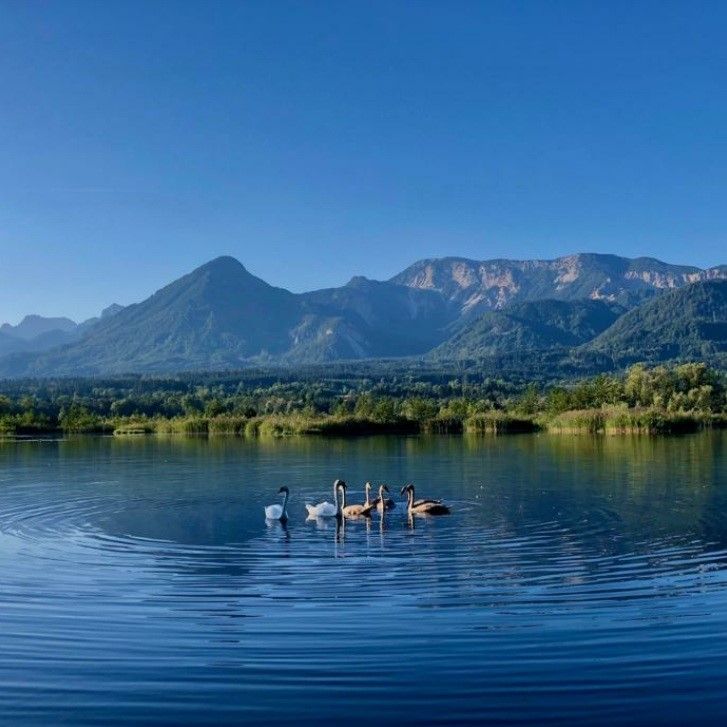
<point x="315" y="141"/>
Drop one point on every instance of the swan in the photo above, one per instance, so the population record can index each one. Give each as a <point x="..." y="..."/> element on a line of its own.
<point x="278" y="512"/>
<point x="356" y="510"/>
<point x="423" y="507"/>
<point x="367" y="491"/>
<point x="382" y="502"/>
<point x="326" y="509"/>
<point x="390" y="504"/>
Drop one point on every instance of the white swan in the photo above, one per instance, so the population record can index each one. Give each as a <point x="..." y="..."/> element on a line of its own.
<point x="326" y="509"/>
<point x="278" y="512"/>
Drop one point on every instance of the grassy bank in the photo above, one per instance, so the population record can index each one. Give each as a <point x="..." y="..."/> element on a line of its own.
<point x="607" y="420"/>
<point x="268" y="426"/>
<point x="619" y="420"/>
<point x="614" y="420"/>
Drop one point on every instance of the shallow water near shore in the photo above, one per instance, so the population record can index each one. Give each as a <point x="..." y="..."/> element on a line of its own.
<point x="578" y="580"/>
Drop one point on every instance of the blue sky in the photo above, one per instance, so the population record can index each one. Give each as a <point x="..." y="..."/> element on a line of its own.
<point x="315" y="141"/>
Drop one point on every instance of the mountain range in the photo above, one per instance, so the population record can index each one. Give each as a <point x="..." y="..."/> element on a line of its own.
<point x="36" y="333"/>
<point x="220" y="316"/>
<point x="477" y="286"/>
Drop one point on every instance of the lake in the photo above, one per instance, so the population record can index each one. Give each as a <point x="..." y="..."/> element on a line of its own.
<point x="577" y="580"/>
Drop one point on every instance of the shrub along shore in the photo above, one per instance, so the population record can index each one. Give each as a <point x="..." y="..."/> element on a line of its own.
<point x="588" y="421"/>
<point x="659" y="400"/>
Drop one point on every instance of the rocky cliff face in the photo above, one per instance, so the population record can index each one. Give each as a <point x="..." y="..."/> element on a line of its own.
<point x="476" y="286"/>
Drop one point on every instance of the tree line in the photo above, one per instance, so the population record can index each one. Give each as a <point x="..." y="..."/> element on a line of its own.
<point x="408" y="400"/>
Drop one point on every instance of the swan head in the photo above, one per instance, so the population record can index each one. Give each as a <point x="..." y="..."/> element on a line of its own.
<point x="339" y="485"/>
<point x="407" y="489"/>
<point x="283" y="489"/>
<point x="383" y="488"/>
<point x="367" y="486"/>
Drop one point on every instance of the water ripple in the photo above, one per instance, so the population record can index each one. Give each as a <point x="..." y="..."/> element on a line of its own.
<point x="172" y="600"/>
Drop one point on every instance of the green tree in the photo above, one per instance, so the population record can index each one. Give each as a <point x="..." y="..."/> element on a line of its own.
<point x="419" y="409"/>
<point x="529" y="402"/>
<point x="364" y="406"/>
<point x="214" y="407"/>
<point x="557" y="400"/>
<point x="384" y="410"/>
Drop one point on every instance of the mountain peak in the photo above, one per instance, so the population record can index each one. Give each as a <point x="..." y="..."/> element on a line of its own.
<point x="358" y="281"/>
<point x="223" y="263"/>
<point x="111" y="310"/>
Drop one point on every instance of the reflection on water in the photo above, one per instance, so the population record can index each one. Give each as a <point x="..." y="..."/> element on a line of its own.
<point x="578" y="580"/>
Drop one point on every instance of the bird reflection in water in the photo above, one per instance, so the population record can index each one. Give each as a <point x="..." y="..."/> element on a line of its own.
<point x="279" y="527"/>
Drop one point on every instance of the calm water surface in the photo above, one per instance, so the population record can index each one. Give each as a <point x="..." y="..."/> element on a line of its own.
<point x="578" y="580"/>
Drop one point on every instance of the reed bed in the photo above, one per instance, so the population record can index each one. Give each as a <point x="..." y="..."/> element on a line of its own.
<point x="605" y="420"/>
<point x="500" y="422"/>
<point x="621" y="420"/>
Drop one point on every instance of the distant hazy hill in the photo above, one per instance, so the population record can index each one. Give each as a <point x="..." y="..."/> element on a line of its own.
<point x="33" y="326"/>
<point x="492" y="284"/>
<point x="687" y="323"/>
<point x="10" y="344"/>
<point x="530" y="326"/>
<point x="220" y="316"/>
<point x="35" y="334"/>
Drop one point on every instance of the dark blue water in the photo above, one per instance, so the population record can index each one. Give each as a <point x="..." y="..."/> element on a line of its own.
<point x="577" y="580"/>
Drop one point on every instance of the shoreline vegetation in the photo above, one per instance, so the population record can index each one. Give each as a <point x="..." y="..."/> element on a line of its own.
<point x="587" y="421"/>
<point x="659" y="400"/>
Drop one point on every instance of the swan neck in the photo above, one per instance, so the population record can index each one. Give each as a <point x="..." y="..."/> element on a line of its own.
<point x="285" y="505"/>
<point x="335" y="500"/>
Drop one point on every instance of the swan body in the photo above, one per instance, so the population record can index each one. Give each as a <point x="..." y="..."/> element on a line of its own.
<point x="278" y="512"/>
<point x="357" y="510"/>
<point x="322" y="509"/>
<point x="390" y="504"/>
<point x="423" y="507"/>
<point x="327" y="509"/>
